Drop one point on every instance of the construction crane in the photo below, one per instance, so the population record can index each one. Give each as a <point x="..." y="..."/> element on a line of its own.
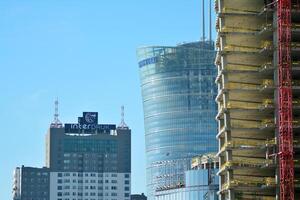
<point x="285" y="101"/>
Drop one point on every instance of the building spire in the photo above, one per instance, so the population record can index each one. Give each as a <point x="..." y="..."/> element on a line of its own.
<point x="203" y="19"/>
<point x="56" y="122"/>
<point x="210" y="28"/>
<point x="122" y="125"/>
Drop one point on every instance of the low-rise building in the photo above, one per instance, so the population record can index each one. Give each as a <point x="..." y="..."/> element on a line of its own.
<point x="200" y="183"/>
<point x="138" y="197"/>
<point x="31" y="183"/>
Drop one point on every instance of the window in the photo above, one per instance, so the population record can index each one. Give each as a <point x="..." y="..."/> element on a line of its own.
<point x="113" y="187"/>
<point x="92" y="194"/>
<point x="66" y="187"/>
<point x="92" y="187"/>
<point x="66" y="193"/>
<point x="126" y="175"/>
<point x="127" y="182"/>
<point x="126" y="188"/>
<point x="66" y="180"/>
<point x="126" y="194"/>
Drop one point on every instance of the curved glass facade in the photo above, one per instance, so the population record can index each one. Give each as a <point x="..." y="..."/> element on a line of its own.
<point x="178" y="93"/>
<point x="198" y="186"/>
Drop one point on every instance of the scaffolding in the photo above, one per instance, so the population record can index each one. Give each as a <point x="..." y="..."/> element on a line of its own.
<point x="258" y="63"/>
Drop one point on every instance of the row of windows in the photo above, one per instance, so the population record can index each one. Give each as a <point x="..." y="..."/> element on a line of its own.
<point x="35" y="180"/>
<point x="39" y="193"/>
<point x="67" y="187"/>
<point x="60" y="194"/>
<point x="89" y="175"/>
<point x="90" y="168"/>
<point x="88" y="155"/>
<point x="24" y="173"/>
<point x="90" y="145"/>
<point x="60" y="181"/>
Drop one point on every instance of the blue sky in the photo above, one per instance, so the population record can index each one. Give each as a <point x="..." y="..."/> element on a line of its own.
<point x="84" y="53"/>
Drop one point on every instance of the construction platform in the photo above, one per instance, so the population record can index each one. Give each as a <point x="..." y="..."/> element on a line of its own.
<point x="247" y="57"/>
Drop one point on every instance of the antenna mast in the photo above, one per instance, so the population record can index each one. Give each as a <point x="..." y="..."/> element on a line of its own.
<point x="203" y="18"/>
<point x="56" y="122"/>
<point x="210" y="37"/>
<point x="123" y="125"/>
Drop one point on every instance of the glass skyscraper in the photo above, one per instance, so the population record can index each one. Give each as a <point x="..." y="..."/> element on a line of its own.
<point x="178" y="93"/>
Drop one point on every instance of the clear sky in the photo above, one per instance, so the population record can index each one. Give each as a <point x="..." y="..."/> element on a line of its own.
<point x="84" y="53"/>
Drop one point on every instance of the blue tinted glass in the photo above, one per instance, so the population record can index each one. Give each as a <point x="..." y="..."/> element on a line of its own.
<point x="178" y="93"/>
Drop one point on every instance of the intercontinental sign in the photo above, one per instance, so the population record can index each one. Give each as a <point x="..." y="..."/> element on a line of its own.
<point x="88" y="123"/>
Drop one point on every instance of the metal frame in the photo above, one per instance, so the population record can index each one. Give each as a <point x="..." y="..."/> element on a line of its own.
<point x="285" y="107"/>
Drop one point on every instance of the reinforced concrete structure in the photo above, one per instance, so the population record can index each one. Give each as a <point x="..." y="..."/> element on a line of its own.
<point x="258" y="98"/>
<point x="178" y="93"/>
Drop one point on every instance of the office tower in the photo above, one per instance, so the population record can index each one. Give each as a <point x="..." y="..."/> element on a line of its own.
<point x="89" y="160"/>
<point x="84" y="161"/>
<point x="258" y="98"/>
<point x="178" y="93"/>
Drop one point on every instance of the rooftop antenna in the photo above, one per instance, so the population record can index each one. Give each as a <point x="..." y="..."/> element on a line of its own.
<point x="122" y="125"/>
<point x="210" y="37"/>
<point x="56" y="122"/>
<point x="203" y="18"/>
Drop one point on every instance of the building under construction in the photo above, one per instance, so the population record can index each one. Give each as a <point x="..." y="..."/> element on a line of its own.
<point x="258" y="80"/>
